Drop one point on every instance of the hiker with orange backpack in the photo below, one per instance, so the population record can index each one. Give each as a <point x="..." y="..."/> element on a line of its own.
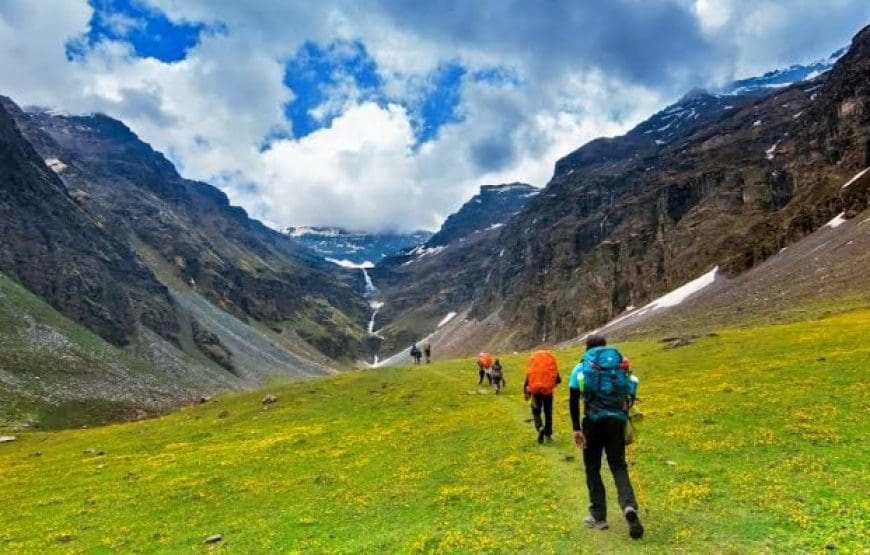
<point x="484" y="367"/>
<point x="542" y="377"/>
<point x="603" y="380"/>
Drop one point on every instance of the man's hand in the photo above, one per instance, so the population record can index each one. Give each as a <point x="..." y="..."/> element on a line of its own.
<point x="579" y="439"/>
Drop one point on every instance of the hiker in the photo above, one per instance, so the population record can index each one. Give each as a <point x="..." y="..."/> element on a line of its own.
<point x="484" y="368"/>
<point x="542" y="377"/>
<point x="416" y="354"/>
<point x="604" y="381"/>
<point x="427" y="350"/>
<point x="498" y="376"/>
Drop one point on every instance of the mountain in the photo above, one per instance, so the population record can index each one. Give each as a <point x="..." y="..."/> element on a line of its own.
<point x="336" y="244"/>
<point x="714" y="180"/>
<point x="489" y="209"/>
<point x="103" y="228"/>
<point x="417" y="288"/>
<point x="783" y="77"/>
<point x="104" y="286"/>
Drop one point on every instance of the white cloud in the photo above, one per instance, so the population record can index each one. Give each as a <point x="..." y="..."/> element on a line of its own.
<point x="581" y="73"/>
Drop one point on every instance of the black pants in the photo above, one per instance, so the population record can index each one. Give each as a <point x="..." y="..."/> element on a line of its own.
<point x="499" y="383"/>
<point x="481" y="374"/>
<point x="607" y="435"/>
<point x="541" y="402"/>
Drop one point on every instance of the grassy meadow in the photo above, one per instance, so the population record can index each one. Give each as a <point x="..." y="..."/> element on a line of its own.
<point x="751" y="441"/>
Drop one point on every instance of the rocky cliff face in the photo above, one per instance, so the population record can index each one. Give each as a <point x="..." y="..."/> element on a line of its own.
<point x="624" y="220"/>
<point x="63" y="254"/>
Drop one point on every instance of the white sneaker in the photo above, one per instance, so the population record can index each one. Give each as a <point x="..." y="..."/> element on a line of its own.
<point x="590" y="522"/>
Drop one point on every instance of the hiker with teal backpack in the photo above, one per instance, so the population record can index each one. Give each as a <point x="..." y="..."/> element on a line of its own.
<point x="603" y="380"/>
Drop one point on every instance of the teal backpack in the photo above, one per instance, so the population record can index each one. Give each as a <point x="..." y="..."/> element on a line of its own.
<point x="607" y="387"/>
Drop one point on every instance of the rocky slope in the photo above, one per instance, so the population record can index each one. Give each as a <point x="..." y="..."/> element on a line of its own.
<point x="822" y="273"/>
<point x="721" y="180"/>
<point x="243" y="267"/>
<point x="103" y="228"/>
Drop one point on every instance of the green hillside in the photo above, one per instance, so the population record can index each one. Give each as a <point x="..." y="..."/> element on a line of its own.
<point x="751" y="440"/>
<point x="59" y="374"/>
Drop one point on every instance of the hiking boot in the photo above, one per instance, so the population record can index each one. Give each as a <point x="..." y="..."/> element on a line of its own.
<point x="635" y="528"/>
<point x="540" y="436"/>
<point x="548" y="439"/>
<point x="591" y="522"/>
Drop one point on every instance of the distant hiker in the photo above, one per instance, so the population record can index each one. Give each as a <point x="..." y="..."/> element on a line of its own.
<point x="603" y="380"/>
<point x="497" y="377"/>
<point x="427" y="350"/>
<point x="542" y="377"/>
<point x="416" y="354"/>
<point x="484" y="368"/>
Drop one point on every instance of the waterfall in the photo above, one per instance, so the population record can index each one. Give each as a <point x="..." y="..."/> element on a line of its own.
<point x="370" y="287"/>
<point x="376" y="305"/>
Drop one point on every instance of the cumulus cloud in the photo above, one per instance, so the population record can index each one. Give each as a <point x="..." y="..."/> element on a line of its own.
<point x="521" y="85"/>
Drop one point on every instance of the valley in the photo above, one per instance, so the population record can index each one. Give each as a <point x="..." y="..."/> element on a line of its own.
<point x="223" y="226"/>
<point x="321" y="469"/>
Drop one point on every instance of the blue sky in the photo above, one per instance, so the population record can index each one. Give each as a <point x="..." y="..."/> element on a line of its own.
<point x="384" y="114"/>
<point x="148" y="31"/>
<point x="313" y="73"/>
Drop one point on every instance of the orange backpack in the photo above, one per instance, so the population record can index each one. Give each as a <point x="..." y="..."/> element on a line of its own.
<point x="485" y="360"/>
<point x="542" y="373"/>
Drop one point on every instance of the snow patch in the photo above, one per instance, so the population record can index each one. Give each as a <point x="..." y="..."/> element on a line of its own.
<point x="495" y="226"/>
<point x="856" y="178"/>
<point x="680" y="294"/>
<point x="665" y="127"/>
<point x="423" y="252"/>
<point x="300" y="231"/>
<point x="838" y="220"/>
<point x="350" y="264"/>
<point x="508" y="188"/>
<point x="673" y="298"/>
<point x="55" y="165"/>
<point x="771" y="151"/>
<point x="756" y="123"/>
<point x="444" y="321"/>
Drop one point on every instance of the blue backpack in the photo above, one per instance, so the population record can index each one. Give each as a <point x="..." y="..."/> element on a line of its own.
<point x="607" y="387"/>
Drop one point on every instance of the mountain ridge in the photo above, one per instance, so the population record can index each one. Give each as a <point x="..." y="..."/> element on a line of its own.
<point x="626" y="219"/>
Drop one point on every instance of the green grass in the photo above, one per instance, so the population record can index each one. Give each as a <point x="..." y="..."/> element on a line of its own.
<point x="748" y="443"/>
